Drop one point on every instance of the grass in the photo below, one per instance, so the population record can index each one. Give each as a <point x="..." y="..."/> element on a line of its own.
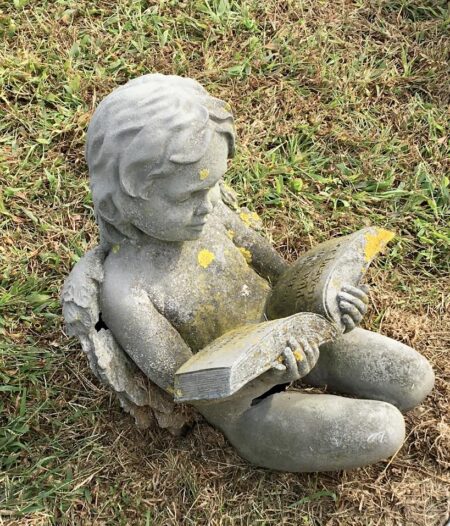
<point x="342" y="119"/>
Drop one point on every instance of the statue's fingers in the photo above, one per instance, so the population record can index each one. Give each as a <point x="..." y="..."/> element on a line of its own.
<point x="316" y="352"/>
<point x="288" y="355"/>
<point x="278" y="366"/>
<point x="303" y="370"/>
<point x="351" y="310"/>
<point x="358" y="292"/>
<point x="349" y="324"/>
<point x="293" y="343"/>
<point x="310" y="354"/>
<point x="359" y="304"/>
<point x="291" y="363"/>
<point x="301" y="353"/>
<point x="365" y="288"/>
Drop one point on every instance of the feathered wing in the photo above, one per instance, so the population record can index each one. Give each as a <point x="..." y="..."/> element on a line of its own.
<point x="143" y="399"/>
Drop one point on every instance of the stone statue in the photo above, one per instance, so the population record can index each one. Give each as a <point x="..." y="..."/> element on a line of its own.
<point x="179" y="266"/>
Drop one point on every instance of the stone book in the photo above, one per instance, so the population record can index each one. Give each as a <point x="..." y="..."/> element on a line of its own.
<point x="237" y="357"/>
<point x="313" y="282"/>
<point x="303" y="303"/>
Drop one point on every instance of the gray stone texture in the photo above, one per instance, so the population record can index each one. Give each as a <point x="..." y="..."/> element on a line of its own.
<point x="179" y="265"/>
<point x="369" y="365"/>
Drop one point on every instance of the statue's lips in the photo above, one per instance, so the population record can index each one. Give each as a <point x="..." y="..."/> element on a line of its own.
<point x="201" y="224"/>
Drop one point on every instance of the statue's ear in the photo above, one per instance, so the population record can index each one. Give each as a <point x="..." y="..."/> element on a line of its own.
<point x="108" y="210"/>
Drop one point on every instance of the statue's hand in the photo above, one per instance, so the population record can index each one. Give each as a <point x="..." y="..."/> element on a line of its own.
<point x="352" y="303"/>
<point x="298" y="358"/>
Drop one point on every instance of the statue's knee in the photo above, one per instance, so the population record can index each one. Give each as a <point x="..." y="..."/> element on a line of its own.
<point x="371" y="365"/>
<point x="389" y="439"/>
<point x="305" y="433"/>
<point x="398" y="370"/>
<point x="417" y="383"/>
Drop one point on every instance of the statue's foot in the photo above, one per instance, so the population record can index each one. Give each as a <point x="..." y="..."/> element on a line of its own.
<point x="298" y="432"/>
<point x="369" y="365"/>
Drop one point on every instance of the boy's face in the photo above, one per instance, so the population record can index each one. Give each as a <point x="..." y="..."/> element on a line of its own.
<point x="179" y="204"/>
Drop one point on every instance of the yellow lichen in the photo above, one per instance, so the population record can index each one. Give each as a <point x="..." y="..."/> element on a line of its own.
<point x="376" y="242"/>
<point x="230" y="234"/>
<point x="298" y="356"/>
<point x="115" y="248"/>
<point x="246" y="253"/>
<point x="249" y="218"/>
<point x="205" y="258"/>
<point x="203" y="174"/>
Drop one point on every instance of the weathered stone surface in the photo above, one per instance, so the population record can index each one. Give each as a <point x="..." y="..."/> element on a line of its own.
<point x="314" y="281"/>
<point x="140" y="397"/>
<point x="370" y="365"/>
<point x="239" y="356"/>
<point x="299" y="432"/>
<point x="180" y="265"/>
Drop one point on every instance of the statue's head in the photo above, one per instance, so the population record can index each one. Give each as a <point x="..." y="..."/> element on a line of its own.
<point x="157" y="148"/>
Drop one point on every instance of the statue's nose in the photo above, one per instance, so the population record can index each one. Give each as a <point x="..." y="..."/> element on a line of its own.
<point x="205" y="206"/>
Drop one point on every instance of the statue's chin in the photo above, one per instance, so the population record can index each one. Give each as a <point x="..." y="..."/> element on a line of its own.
<point x="192" y="233"/>
<point x="178" y="236"/>
<point x="193" y="236"/>
<point x="186" y="236"/>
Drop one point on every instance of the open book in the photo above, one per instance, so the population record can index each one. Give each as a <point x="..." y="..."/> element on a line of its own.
<point x="228" y="363"/>
<point x="313" y="282"/>
<point x="303" y="303"/>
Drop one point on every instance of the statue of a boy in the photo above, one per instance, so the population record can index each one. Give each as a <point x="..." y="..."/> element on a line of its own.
<point x="177" y="268"/>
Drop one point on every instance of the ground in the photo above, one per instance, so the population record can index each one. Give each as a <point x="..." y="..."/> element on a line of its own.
<point x="341" y="111"/>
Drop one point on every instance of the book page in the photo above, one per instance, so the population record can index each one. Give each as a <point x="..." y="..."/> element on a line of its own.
<point x="313" y="282"/>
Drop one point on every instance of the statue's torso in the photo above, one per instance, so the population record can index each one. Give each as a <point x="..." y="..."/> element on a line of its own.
<point x="203" y="288"/>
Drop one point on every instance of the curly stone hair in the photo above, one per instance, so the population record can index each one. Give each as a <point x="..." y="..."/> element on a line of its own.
<point x="140" y="131"/>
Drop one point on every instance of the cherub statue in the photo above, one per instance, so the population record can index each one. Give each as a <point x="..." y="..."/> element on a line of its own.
<point x="179" y="265"/>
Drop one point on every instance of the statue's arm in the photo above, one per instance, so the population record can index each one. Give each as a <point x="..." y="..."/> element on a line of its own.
<point x="147" y="337"/>
<point x="262" y="256"/>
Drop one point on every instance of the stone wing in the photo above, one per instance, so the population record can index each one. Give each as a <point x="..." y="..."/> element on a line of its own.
<point x="143" y="399"/>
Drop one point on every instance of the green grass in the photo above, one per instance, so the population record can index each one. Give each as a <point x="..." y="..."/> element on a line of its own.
<point x="342" y="118"/>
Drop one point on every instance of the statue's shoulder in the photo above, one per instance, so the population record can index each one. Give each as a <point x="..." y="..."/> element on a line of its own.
<point x="232" y="214"/>
<point x="229" y="196"/>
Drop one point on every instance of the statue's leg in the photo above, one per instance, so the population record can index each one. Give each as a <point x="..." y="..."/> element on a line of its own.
<point x="300" y="432"/>
<point x="369" y="365"/>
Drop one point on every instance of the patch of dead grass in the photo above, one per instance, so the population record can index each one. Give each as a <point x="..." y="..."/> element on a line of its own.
<point x="350" y="98"/>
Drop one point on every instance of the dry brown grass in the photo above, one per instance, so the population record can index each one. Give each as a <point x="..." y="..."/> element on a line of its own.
<point x="347" y="98"/>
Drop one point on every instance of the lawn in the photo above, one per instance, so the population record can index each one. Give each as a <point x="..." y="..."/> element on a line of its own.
<point x="342" y="119"/>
